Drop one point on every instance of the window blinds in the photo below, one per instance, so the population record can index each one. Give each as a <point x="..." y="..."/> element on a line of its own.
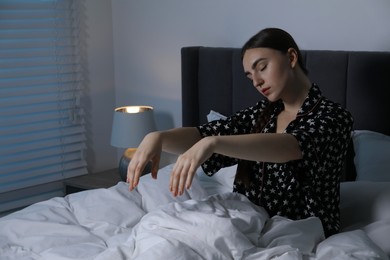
<point x="42" y="132"/>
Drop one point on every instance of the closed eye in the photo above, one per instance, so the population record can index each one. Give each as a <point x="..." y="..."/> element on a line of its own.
<point x="261" y="66"/>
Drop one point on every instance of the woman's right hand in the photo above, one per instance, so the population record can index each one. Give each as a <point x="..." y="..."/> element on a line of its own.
<point x="149" y="150"/>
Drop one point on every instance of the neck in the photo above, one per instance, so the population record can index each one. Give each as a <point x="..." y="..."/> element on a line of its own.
<point x="297" y="94"/>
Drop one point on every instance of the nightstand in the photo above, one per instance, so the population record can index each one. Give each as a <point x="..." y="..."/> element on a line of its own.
<point x="104" y="179"/>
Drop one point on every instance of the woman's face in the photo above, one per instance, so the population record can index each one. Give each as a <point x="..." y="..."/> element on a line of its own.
<point x="269" y="70"/>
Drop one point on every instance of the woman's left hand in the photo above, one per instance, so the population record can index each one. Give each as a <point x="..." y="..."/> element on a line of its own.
<point x="187" y="163"/>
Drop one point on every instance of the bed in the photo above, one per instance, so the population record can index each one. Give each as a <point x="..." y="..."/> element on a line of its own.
<point x="209" y="221"/>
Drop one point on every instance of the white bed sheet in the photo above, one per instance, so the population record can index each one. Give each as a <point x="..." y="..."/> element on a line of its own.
<point x="207" y="222"/>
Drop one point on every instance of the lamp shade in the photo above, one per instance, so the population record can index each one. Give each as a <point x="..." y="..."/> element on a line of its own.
<point x="131" y="124"/>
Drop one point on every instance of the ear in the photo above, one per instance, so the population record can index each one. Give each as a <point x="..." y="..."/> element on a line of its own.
<point x="293" y="57"/>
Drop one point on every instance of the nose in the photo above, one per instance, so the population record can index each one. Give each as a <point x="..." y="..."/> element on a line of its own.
<point x="257" y="81"/>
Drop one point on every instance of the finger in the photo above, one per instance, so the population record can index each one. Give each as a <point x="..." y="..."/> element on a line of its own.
<point x="137" y="173"/>
<point x="155" y="167"/>
<point x="190" y="177"/>
<point x="133" y="173"/>
<point x="172" y="179"/>
<point x="130" y="174"/>
<point x="175" y="178"/>
<point x="183" y="179"/>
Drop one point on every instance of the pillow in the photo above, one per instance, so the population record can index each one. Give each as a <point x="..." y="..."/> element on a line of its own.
<point x="220" y="182"/>
<point x="349" y="245"/>
<point x="379" y="232"/>
<point x="213" y="115"/>
<point x="372" y="155"/>
<point x="363" y="203"/>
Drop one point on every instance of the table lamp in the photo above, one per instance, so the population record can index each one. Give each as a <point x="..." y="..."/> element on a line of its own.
<point x="130" y="125"/>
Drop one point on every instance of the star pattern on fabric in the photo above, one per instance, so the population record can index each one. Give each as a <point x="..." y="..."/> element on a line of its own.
<point x="296" y="189"/>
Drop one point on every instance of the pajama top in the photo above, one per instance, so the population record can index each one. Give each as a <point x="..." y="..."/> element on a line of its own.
<point x="301" y="188"/>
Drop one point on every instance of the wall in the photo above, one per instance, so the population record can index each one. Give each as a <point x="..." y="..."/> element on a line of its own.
<point x="134" y="47"/>
<point x="148" y="36"/>
<point x="100" y="84"/>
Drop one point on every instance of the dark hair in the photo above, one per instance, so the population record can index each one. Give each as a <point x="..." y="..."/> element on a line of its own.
<point x="274" y="38"/>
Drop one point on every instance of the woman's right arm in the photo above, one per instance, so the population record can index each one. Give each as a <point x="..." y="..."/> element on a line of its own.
<point x="177" y="141"/>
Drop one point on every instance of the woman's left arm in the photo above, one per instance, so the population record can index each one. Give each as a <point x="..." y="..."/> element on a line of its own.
<point x="266" y="147"/>
<point x="270" y="147"/>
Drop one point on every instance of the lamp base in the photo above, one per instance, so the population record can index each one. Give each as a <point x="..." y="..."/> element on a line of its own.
<point x="124" y="163"/>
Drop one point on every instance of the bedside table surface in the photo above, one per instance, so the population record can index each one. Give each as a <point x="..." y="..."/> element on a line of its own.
<point x="104" y="179"/>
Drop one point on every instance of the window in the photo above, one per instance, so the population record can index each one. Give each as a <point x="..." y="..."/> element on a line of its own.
<point x="42" y="132"/>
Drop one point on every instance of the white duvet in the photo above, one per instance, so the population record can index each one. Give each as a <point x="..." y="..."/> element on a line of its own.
<point x="149" y="223"/>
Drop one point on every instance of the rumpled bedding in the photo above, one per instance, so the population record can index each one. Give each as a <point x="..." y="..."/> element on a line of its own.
<point x="149" y="223"/>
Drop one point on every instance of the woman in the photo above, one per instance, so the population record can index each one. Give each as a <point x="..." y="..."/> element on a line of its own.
<point x="289" y="148"/>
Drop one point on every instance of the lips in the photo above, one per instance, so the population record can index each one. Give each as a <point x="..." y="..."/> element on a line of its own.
<point x="265" y="90"/>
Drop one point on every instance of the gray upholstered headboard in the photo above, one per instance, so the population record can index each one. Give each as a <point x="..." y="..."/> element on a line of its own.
<point x="213" y="78"/>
